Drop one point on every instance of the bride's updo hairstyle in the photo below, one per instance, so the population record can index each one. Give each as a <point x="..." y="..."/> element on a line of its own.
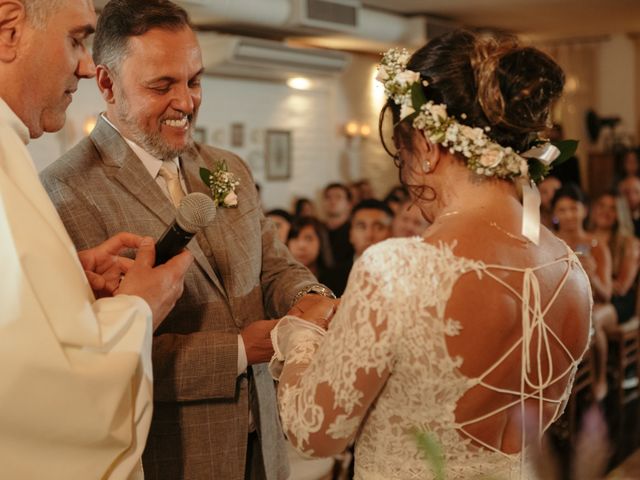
<point x="486" y="80"/>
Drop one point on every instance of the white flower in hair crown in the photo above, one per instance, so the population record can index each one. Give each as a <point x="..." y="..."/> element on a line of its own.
<point x="484" y="156"/>
<point x="222" y="184"/>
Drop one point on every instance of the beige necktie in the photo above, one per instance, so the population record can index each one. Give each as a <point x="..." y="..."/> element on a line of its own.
<point x="169" y="171"/>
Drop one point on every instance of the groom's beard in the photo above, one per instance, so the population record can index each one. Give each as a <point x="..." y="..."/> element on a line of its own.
<point x="152" y="142"/>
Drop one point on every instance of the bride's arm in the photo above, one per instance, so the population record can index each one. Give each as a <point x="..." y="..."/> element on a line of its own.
<point x="329" y="381"/>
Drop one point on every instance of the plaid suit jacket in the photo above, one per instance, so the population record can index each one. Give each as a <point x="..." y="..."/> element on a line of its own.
<point x="241" y="273"/>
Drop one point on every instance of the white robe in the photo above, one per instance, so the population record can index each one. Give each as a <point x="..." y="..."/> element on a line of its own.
<point x="75" y="373"/>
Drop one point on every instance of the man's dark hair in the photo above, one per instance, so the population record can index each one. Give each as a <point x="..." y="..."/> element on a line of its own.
<point x="372" y="204"/>
<point x="341" y="186"/>
<point x="122" y="19"/>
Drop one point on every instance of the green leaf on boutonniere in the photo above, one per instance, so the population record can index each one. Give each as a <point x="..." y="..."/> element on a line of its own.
<point x="205" y="175"/>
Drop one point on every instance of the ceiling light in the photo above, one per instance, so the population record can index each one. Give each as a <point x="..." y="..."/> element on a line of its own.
<point x="299" y="83"/>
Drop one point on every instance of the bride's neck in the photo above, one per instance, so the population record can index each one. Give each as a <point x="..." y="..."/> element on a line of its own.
<point x="474" y="196"/>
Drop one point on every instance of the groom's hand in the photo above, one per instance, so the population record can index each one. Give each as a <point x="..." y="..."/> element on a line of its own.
<point x="257" y="341"/>
<point x="316" y="309"/>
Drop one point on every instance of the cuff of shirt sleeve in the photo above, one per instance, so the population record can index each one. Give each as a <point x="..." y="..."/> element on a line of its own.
<point x="242" y="356"/>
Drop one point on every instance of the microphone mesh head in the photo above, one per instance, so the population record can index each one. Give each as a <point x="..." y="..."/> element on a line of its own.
<point x="195" y="212"/>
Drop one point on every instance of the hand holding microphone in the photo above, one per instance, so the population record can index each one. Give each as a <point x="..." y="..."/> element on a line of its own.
<point x="158" y="277"/>
<point x="195" y="212"/>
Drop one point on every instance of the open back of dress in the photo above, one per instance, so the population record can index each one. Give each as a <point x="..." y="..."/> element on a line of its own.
<point x="384" y="366"/>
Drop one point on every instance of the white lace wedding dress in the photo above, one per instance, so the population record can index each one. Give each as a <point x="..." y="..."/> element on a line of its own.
<point x="383" y="371"/>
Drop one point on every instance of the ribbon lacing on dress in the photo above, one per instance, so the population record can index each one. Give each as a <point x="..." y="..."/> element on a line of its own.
<point x="533" y="328"/>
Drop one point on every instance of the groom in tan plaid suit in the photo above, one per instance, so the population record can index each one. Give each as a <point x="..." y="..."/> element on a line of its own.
<point x="214" y="414"/>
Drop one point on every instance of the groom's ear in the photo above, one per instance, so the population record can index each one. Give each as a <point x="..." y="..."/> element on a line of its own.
<point x="105" y="83"/>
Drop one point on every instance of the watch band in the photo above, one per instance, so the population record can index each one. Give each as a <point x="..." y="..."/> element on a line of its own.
<point x="316" y="288"/>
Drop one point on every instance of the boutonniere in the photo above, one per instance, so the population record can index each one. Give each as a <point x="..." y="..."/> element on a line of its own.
<point x="222" y="184"/>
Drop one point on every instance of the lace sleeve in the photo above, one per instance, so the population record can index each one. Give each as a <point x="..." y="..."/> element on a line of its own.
<point x="328" y="382"/>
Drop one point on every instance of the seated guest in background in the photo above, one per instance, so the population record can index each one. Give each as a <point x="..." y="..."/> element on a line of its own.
<point x="547" y="188"/>
<point x="370" y="223"/>
<point x="365" y="189"/>
<point x="337" y="202"/>
<point x="304" y="208"/>
<point x="282" y="219"/>
<point x="214" y="402"/>
<point x="570" y="209"/>
<point x="395" y="197"/>
<point x="308" y="242"/>
<point x="472" y="334"/>
<point x="625" y="254"/>
<point x="408" y="221"/>
<point x="626" y="165"/>
<point x="630" y="190"/>
<point x="76" y="383"/>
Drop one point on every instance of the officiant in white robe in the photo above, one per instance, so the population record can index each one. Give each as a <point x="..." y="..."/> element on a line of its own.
<point x="76" y="381"/>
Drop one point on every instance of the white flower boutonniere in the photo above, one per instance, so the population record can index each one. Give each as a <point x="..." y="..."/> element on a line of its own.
<point x="222" y="184"/>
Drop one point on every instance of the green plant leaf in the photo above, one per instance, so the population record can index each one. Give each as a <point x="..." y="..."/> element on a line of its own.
<point x="432" y="451"/>
<point x="417" y="96"/>
<point x="537" y="170"/>
<point x="567" y="150"/>
<point x="205" y="175"/>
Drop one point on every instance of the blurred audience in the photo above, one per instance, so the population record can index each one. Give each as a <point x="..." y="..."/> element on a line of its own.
<point x="308" y="242"/>
<point x="304" y="208"/>
<point x="630" y="190"/>
<point x="337" y="210"/>
<point x="625" y="253"/>
<point x="627" y="165"/>
<point x="570" y="210"/>
<point x="408" y="220"/>
<point x="548" y="188"/>
<point x="370" y="223"/>
<point x="365" y="189"/>
<point x="282" y="219"/>
<point x="396" y="196"/>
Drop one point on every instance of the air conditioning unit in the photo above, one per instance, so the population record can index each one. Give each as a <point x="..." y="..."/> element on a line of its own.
<point x="237" y="56"/>
<point x="325" y="15"/>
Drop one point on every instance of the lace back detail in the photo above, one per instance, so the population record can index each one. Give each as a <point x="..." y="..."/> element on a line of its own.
<point x="383" y="370"/>
<point x="535" y="329"/>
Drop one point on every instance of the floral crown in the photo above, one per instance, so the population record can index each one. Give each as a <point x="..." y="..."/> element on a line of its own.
<point x="484" y="156"/>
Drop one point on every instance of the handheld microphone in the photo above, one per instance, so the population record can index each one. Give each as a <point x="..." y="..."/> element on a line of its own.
<point x="195" y="212"/>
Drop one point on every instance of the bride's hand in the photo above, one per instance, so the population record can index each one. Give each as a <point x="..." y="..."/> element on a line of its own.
<point x="315" y="309"/>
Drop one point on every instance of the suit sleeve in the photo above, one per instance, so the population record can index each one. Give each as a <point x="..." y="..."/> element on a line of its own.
<point x="193" y="366"/>
<point x="282" y="276"/>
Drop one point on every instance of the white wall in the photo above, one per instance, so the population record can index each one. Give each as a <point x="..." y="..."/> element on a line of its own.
<point x="617" y="82"/>
<point x="311" y="116"/>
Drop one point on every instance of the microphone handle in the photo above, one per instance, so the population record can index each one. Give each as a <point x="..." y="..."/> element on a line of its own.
<point x="171" y="243"/>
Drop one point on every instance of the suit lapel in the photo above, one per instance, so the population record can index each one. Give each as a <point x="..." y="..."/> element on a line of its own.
<point x="191" y="162"/>
<point x="125" y="167"/>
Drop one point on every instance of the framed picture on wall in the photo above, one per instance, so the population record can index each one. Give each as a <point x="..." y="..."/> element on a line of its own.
<point x="200" y="135"/>
<point x="237" y="135"/>
<point x="278" y="154"/>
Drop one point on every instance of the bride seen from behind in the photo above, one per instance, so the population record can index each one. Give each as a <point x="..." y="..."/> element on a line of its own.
<point x="473" y="332"/>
